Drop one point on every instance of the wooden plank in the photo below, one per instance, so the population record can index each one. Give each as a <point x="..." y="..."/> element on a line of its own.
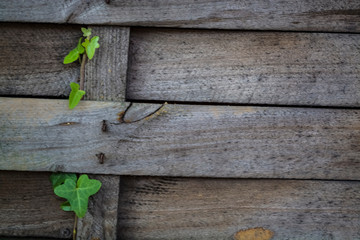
<point x="244" y="67"/>
<point x="29" y="207"/>
<point x="33" y="54"/>
<point x="100" y="222"/>
<point x="180" y="140"/>
<point x="31" y="63"/>
<point x="105" y="74"/>
<point x="185" y="208"/>
<point x="105" y="79"/>
<point x="298" y="15"/>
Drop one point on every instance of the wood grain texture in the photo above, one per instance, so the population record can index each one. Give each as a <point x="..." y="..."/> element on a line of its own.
<point x="105" y="78"/>
<point x="186" y="208"/>
<point x="320" y="15"/>
<point x="31" y="61"/>
<point x="29" y="207"/>
<point x="244" y="67"/>
<point x="100" y="222"/>
<point x="105" y="74"/>
<point x="181" y="140"/>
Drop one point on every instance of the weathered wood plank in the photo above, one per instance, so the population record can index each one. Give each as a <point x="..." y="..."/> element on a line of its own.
<point x="185" y="208"/>
<point x="105" y="74"/>
<point x="180" y="140"/>
<point x="32" y="56"/>
<point x="100" y="222"/>
<point x="320" y="15"/>
<point x="105" y="79"/>
<point x="244" y="67"/>
<point x="29" y="207"/>
<point x="31" y="63"/>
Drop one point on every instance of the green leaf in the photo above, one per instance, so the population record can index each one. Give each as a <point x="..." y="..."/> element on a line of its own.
<point x="78" y="194"/>
<point x="75" y="53"/>
<point x="75" y="95"/>
<point x="86" y="32"/>
<point x="59" y="178"/>
<point x="65" y="206"/>
<point x="90" y="46"/>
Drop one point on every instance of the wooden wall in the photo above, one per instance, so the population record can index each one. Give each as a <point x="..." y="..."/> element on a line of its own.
<point x="225" y="119"/>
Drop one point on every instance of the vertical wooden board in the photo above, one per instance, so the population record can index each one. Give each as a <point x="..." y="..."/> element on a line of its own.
<point x="105" y="74"/>
<point x="100" y="222"/>
<point x="244" y="67"/>
<point x="105" y="78"/>
<point x="188" y="208"/>
<point x="29" y="207"/>
<point x="31" y="60"/>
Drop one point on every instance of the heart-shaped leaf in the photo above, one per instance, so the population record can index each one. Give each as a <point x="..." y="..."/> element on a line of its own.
<point x="59" y="178"/>
<point x="75" y="53"/>
<point x="90" y="46"/>
<point x="86" y="32"/>
<point x="78" y="194"/>
<point x="75" y="95"/>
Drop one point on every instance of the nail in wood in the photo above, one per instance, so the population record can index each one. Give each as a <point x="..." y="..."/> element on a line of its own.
<point x="101" y="157"/>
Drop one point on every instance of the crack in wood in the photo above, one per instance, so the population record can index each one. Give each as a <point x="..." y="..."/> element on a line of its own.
<point x="122" y="115"/>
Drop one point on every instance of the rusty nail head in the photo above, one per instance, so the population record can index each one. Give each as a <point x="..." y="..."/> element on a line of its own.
<point x="101" y="157"/>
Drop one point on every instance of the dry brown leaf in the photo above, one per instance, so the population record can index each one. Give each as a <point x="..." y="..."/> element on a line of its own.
<point x="254" y="234"/>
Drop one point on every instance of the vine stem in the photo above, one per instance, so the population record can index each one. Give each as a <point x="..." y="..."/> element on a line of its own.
<point x="82" y="71"/>
<point x="75" y="227"/>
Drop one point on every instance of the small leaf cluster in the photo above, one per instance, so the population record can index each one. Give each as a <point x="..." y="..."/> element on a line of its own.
<point x="87" y="46"/>
<point x="75" y="191"/>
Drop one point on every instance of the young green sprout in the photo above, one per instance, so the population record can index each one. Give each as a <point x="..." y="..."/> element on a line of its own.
<point x="85" y="48"/>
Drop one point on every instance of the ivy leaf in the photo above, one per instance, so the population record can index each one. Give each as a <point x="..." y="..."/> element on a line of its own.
<point x="75" y="95"/>
<point x="86" y="32"/>
<point x="90" y="46"/>
<point x="65" y="206"/>
<point x="75" y="53"/>
<point x="78" y="194"/>
<point x="59" y="178"/>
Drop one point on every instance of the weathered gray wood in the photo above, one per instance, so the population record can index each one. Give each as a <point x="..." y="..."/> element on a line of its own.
<point x="31" y="63"/>
<point x="320" y="15"/>
<point x="29" y="207"/>
<point x="105" y="74"/>
<point x="183" y="208"/>
<point x="140" y="111"/>
<point x="31" y="60"/>
<point x="105" y="79"/>
<point x="244" y="67"/>
<point x="180" y="140"/>
<point x="100" y="222"/>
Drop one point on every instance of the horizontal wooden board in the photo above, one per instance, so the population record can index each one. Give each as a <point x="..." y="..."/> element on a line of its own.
<point x="31" y="63"/>
<point x="180" y="208"/>
<point x="180" y="140"/>
<point x="244" y="67"/>
<point x="32" y="57"/>
<point x="29" y="207"/>
<point x="320" y="15"/>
